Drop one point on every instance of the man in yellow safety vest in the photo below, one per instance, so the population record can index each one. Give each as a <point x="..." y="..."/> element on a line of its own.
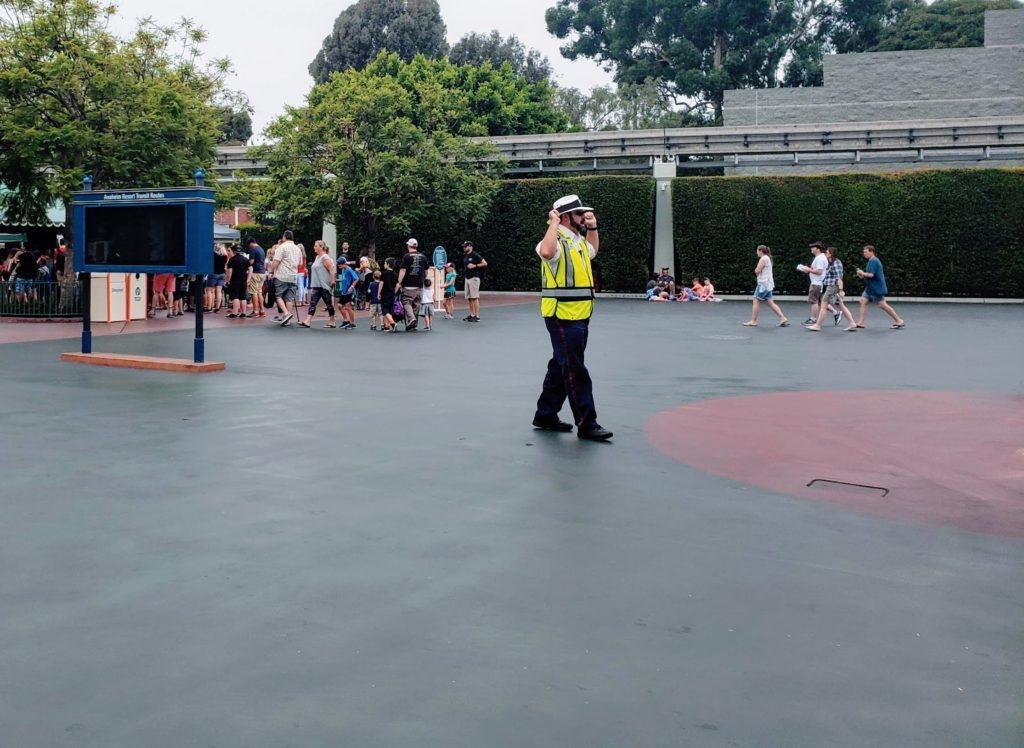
<point x="567" y="301"/>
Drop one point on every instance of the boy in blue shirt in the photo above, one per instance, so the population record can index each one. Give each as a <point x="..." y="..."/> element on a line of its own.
<point x="875" y="289"/>
<point x="348" y="279"/>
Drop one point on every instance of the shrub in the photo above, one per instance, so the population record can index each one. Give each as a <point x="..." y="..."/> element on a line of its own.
<point x="939" y="233"/>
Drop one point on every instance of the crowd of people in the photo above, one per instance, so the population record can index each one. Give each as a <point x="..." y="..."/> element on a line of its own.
<point x="32" y="276"/>
<point x="662" y="287"/>
<point x="247" y="281"/>
<point x="826" y="295"/>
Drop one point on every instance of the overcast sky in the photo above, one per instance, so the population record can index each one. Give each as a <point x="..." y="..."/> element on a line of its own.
<point x="271" y="43"/>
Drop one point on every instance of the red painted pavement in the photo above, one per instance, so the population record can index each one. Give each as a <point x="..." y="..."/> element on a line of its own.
<point x="948" y="458"/>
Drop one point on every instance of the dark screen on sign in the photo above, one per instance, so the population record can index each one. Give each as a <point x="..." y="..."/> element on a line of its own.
<point x="135" y="235"/>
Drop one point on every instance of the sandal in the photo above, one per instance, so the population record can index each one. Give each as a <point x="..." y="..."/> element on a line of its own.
<point x="330" y="326"/>
<point x="784" y="323"/>
<point x="898" y="326"/>
<point x="304" y="324"/>
<point x="750" y="324"/>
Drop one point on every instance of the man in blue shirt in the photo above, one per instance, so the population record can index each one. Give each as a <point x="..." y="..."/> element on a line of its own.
<point x="258" y="261"/>
<point x="348" y="279"/>
<point x="875" y="289"/>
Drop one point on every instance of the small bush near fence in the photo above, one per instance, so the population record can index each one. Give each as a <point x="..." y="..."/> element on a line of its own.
<point x="938" y="233"/>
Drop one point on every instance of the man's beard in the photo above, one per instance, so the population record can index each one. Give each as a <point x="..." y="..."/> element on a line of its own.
<point x="578" y="227"/>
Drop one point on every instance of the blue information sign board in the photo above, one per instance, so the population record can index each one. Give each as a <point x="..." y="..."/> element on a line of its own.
<point x="440" y="257"/>
<point x="144" y="231"/>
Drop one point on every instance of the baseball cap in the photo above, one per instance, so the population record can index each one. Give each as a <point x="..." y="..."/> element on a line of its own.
<point x="412" y="243"/>
<point x="342" y="260"/>
<point x="819" y="245"/>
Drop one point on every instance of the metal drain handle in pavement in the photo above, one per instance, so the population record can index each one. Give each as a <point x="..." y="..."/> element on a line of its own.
<point x="885" y="491"/>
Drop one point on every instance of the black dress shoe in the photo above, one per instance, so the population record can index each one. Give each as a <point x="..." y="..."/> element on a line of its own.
<point x="595" y="434"/>
<point x="552" y="425"/>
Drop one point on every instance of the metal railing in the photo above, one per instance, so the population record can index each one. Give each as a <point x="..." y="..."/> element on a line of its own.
<point x="39" y="299"/>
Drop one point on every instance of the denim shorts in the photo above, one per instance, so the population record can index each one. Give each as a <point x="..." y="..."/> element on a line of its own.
<point x="873" y="299"/>
<point x="215" y="281"/>
<point x="762" y="294"/>
<point x="22" y="285"/>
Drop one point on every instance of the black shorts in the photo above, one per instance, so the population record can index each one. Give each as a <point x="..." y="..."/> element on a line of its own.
<point x="344" y="298"/>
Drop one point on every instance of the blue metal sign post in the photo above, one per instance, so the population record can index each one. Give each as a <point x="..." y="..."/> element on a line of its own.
<point x="144" y="231"/>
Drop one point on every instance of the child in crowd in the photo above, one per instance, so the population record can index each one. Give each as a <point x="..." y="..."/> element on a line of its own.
<point x="427" y="303"/>
<point x="449" y="291"/>
<point x="709" y="291"/>
<point x="697" y="290"/>
<point x="373" y="291"/>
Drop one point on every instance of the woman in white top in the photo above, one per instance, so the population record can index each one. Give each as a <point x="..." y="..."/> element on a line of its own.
<point x="765" y="287"/>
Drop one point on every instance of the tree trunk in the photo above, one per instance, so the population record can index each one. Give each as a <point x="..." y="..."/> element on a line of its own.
<point x="69" y="281"/>
<point x="721" y="50"/>
<point x="371" y="237"/>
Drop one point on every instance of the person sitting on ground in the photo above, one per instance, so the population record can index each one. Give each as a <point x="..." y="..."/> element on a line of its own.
<point x="654" y="291"/>
<point x="709" y="291"/>
<point x="666" y="282"/>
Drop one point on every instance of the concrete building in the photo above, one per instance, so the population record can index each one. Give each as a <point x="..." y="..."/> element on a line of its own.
<point x="911" y="87"/>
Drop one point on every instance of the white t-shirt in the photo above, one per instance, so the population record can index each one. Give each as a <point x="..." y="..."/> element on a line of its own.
<point x="288" y="256"/>
<point x="820" y="263"/>
<point x="553" y="262"/>
<point x="428" y="296"/>
<point x="765" y="279"/>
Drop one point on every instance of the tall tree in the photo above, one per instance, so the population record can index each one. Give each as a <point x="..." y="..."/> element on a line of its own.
<point x="626" y="106"/>
<point x="697" y="49"/>
<point x="944" y="23"/>
<point x="475" y="49"/>
<point x="364" y="29"/>
<point x="380" y="150"/>
<point x="235" y="113"/>
<point x="77" y="100"/>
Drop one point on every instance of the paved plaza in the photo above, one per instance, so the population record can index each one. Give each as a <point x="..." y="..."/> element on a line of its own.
<point x="350" y="539"/>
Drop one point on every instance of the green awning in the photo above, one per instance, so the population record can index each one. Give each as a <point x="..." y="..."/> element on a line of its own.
<point x="8" y="238"/>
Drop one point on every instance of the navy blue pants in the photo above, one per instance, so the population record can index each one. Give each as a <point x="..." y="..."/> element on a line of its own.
<point x="567" y="377"/>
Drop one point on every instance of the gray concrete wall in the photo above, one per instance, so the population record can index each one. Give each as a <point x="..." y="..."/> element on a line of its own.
<point x="896" y="86"/>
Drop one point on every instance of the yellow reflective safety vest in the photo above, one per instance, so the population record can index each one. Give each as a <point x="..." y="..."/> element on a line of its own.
<point x="568" y="293"/>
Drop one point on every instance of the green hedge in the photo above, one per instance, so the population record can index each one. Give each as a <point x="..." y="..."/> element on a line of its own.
<point x="938" y="233"/>
<point x="625" y="212"/>
<point x="518" y="219"/>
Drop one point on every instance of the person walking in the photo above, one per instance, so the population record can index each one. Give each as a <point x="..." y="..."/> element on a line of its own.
<point x="258" y="260"/>
<point x="875" y="290"/>
<point x="348" y="280"/>
<point x="765" y="288"/>
<point x="237" y="275"/>
<point x="373" y="296"/>
<point x="286" y="271"/>
<point x="570" y="244"/>
<point x="833" y="292"/>
<point x="411" y="274"/>
<point x="321" y="285"/>
<point x="816" y="272"/>
<point x="388" y="284"/>
<point x="473" y="268"/>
